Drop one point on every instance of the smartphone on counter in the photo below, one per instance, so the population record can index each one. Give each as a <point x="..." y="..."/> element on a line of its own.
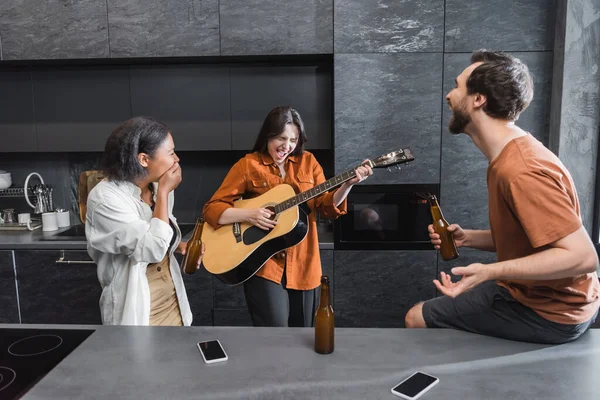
<point x="415" y="386"/>
<point x="212" y="351"/>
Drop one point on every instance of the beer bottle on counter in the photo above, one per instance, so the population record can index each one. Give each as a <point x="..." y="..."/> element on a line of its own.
<point x="448" y="248"/>
<point x="194" y="247"/>
<point x="324" y="320"/>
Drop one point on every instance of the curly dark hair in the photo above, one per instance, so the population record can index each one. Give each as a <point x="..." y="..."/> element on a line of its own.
<point x="504" y="80"/>
<point x="134" y="136"/>
<point x="275" y="123"/>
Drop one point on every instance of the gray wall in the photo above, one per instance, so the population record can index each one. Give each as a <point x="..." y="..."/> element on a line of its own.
<point x="576" y="96"/>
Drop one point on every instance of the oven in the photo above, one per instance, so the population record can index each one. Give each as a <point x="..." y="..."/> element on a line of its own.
<point x="386" y="217"/>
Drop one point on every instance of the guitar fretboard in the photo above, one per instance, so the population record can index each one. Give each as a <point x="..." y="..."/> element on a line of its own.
<point x="314" y="192"/>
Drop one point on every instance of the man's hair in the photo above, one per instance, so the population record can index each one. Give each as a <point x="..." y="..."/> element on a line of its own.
<point x="504" y="80"/>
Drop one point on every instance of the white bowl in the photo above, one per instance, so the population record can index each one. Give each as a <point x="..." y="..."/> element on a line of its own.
<point x="5" y="181"/>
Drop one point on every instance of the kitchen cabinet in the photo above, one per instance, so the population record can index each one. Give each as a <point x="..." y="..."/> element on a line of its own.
<point x="261" y="27"/>
<point x="257" y="90"/>
<point x="377" y="288"/>
<point x="76" y="109"/>
<point x="42" y="29"/>
<point x="388" y="101"/>
<point x="9" y="307"/>
<point x="198" y="287"/>
<point x="53" y="293"/>
<point x="16" y="112"/>
<point x="156" y="28"/>
<point x="193" y="101"/>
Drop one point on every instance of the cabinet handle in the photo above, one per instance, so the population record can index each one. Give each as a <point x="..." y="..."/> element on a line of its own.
<point x="62" y="260"/>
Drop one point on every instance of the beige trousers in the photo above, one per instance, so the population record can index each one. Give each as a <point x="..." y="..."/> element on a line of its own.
<point x="164" y="307"/>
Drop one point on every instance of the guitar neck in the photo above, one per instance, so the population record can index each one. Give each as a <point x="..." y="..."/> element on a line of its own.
<point x="316" y="191"/>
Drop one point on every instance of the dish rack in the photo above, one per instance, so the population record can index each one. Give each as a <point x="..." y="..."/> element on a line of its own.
<point x="17" y="192"/>
<point x="36" y="223"/>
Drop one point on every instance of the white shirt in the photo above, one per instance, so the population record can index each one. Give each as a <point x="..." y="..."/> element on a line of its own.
<point x="123" y="238"/>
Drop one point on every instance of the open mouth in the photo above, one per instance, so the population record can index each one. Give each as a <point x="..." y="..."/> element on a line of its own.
<point x="281" y="154"/>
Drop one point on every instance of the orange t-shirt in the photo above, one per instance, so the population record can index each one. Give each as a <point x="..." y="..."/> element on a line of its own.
<point x="533" y="203"/>
<point x="254" y="175"/>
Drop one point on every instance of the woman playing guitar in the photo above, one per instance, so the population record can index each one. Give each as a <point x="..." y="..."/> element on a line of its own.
<point x="282" y="292"/>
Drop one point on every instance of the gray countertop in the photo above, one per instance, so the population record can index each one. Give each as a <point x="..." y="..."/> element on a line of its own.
<point x="279" y="363"/>
<point x="31" y="240"/>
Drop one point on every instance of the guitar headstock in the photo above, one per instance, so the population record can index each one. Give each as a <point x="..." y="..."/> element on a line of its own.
<point x="395" y="157"/>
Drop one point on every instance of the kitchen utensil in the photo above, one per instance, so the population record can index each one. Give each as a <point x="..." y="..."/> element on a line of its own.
<point x="87" y="181"/>
<point x="63" y="218"/>
<point x="40" y="207"/>
<point x="9" y="216"/>
<point x="23" y="218"/>
<point x="5" y="180"/>
<point x="26" y="186"/>
<point x="49" y="222"/>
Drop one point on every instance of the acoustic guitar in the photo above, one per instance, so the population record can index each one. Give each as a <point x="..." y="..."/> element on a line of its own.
<point x="237" y="251"/>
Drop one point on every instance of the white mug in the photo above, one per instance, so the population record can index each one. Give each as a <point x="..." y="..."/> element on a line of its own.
<point x="49" y="222"/>
<point x="63" y="219"/>
<point x="24" y="218"/>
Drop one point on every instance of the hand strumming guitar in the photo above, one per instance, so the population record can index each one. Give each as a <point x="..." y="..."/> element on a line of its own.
<point x="259" y="217"/>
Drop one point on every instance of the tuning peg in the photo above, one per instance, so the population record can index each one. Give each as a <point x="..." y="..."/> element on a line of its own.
<point x="397" y="167"/>
<point x="389" y="170"/>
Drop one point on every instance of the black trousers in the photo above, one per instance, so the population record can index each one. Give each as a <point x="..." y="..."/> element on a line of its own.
<point x="272" y="304"/>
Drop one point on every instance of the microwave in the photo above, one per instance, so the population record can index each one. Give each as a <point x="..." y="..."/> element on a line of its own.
<point x="386" y="217"/>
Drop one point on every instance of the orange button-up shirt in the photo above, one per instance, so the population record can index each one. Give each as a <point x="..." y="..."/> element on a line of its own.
<point x="254" y="175"/>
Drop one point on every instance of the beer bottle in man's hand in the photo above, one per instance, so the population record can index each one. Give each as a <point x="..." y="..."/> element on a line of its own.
<point x="448" y="248"/>
<point x="324" y="322"/>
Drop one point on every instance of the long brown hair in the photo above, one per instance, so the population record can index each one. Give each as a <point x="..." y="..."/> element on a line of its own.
<point x="275" y="123"/>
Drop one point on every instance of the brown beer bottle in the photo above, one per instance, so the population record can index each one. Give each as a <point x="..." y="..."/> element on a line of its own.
<point x="194" y="247"/>
<point x="448" y="248"/>
<point x="324" y="321"/>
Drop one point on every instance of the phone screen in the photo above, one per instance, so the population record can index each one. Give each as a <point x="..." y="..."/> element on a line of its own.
<point x="212" y="350"/>
<point x="415" y="384"/>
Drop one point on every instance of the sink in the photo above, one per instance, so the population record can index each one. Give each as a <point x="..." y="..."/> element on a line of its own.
<point x="77" y="233"/>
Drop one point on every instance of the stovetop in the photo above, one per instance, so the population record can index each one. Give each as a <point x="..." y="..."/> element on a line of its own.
<point x="27" y="355"/>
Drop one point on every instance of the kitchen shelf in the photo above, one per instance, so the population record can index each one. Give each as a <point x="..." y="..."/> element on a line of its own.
<point x="17" y="192"/>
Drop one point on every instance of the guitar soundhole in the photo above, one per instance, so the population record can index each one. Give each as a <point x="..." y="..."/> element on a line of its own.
<point x="254" y="234"/>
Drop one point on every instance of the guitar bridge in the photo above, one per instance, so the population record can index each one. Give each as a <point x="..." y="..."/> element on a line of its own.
<point x="237" y="232"/>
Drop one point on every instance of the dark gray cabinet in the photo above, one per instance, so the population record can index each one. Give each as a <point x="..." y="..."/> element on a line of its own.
<point x="198" y="287"/>
<point x="9" y="307"/>
<point x="192" y="100"/>
<point x="41" y="29"/>
<point x="255" y="91"/>
<point x="156" y="28"/>
<point x="77" y="109"/>
<point x="388" y="101"/>
<point x="52" y="293"/>
<point x="16" y="112"/>
<point x="257" y="27"/>
<point x="388" y="26"/>
<point x="525" y="25"/>
<point x="377" y="288"/>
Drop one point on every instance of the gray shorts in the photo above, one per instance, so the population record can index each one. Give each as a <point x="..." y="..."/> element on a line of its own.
<point x="490" y="310"/>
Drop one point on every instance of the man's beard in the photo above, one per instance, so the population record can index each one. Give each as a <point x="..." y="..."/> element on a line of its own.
<point x="459" y="121"/>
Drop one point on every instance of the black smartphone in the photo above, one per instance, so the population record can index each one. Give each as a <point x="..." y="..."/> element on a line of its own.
<point x="415" y="386"/>
<point x="212" y="351"/>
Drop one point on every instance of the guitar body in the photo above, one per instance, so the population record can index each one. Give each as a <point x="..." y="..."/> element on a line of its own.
<point x="234" y="258"/>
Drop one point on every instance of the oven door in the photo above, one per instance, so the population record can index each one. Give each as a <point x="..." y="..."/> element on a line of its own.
<point x="385" y="217"/>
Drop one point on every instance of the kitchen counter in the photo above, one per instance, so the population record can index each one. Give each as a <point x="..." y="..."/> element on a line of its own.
<point x="279" y="363"/>
<point x="32" y="240"/>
